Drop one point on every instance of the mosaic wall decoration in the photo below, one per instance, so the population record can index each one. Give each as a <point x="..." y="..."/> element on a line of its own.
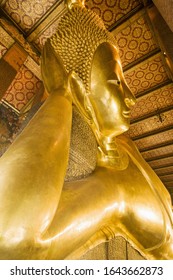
<point x="27" y="13"/>
<point x="134" y="40"/>
<point x="4" y="138"/>
<point x="15" y="56"/>
<point x="5" y="39"/>
<point x="33" y="66"/>
<point x="7" y="74"/>
<point x="112" y="10"/>
<point x="23" y="88"/>
<point x="48" y="27"/>
<point x="40" y="41"/>
<point x="152" y="102"/>
<point x="146" y="75"/>
<point x="10" y="64"/>
<point x="3" y="50"/>
<point x="9" y="126"/>
<point x="17" y="37"/>
<point x="152" y="124"/>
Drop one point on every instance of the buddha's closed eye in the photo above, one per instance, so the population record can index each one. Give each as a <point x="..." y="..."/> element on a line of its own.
<point x="114" y="82"/>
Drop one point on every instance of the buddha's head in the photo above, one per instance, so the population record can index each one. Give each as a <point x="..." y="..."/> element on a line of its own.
<point x="89" y="52"/>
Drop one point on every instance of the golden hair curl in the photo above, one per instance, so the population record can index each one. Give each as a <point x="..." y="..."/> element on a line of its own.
<point x="79" y="34"/>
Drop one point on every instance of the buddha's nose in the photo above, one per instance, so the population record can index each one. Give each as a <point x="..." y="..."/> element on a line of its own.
<point x="129" y="99"/>
<point x="130" y="102"/>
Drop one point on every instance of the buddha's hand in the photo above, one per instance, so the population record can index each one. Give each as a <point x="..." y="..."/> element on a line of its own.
<point x="54" y="75"/>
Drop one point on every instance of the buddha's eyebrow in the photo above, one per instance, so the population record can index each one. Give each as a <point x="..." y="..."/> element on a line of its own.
<point x="113" y="76"/>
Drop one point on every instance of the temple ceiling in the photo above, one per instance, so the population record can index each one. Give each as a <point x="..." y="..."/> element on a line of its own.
<point x="26" y="25"/>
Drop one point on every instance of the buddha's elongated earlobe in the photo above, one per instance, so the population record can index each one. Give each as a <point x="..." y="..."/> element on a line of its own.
<point x="82" y="102"/>
<point x="78" y="91"/>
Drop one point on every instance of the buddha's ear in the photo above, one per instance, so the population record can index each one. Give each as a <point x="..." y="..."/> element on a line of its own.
<point x="79" y="96"/>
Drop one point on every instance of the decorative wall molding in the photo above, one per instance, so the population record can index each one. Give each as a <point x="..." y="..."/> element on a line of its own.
<point x="14" y="33"/>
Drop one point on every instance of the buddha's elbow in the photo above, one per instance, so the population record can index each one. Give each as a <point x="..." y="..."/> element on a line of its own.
<point x="20" y="244"/>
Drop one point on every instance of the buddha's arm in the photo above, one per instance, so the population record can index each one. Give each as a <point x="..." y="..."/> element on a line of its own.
<point x="87" y="209"/>
<point x="110" y="202"/>
<point x="32" y="172"/>
<point x="107" y="203"/>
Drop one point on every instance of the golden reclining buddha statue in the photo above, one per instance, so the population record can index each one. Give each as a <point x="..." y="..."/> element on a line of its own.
<point x="71" y="180"/>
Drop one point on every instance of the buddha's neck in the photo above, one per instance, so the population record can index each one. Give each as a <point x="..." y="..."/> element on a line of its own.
<point x="109" y="153"/>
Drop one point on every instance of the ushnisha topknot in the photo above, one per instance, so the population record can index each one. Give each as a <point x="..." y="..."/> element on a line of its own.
<point x="79" y="33"/>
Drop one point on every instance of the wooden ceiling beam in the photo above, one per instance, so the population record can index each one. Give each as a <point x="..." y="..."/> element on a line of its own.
<point x="11" y="21"/>
<point x="158" y="86"/>
<point x="169" y="188"/>
<point x="167" y="180"/>
<point x="152" y="114"/>
<point x="163" y="166"/>
<point x="141" y="59"/>
<point x="146" y="2"/>
<point x="126" y="17"/>
<point x="51" y="9"/>
<point x="159" y="157"/>
<point x="153" y="132"/>
<point x="163" y="174"/>
<point x="157" y="146"/>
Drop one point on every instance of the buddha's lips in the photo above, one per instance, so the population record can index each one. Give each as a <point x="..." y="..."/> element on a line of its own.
<point x="126" y="114"/>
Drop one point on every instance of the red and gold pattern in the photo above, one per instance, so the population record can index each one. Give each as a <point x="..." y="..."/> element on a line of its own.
<point x="17" y="37"/>
<point x="5" y="39"/>
<point x="40" y="41"/>
<point x="153" y="101"/>
<point x="135" y="39"/>
<point x="27" y="13"/>
<point x="23" y="88"/>
<point x="33" y="67"/>
<point x="146" y="75"/>
<point x="152" y="124"/>
<point x="15" y="56"/>
<point x="111" y="10"/>
<point x="3" y="50"/>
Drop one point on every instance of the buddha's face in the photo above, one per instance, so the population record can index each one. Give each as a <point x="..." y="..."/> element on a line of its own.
<point x="110" y="97"/>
